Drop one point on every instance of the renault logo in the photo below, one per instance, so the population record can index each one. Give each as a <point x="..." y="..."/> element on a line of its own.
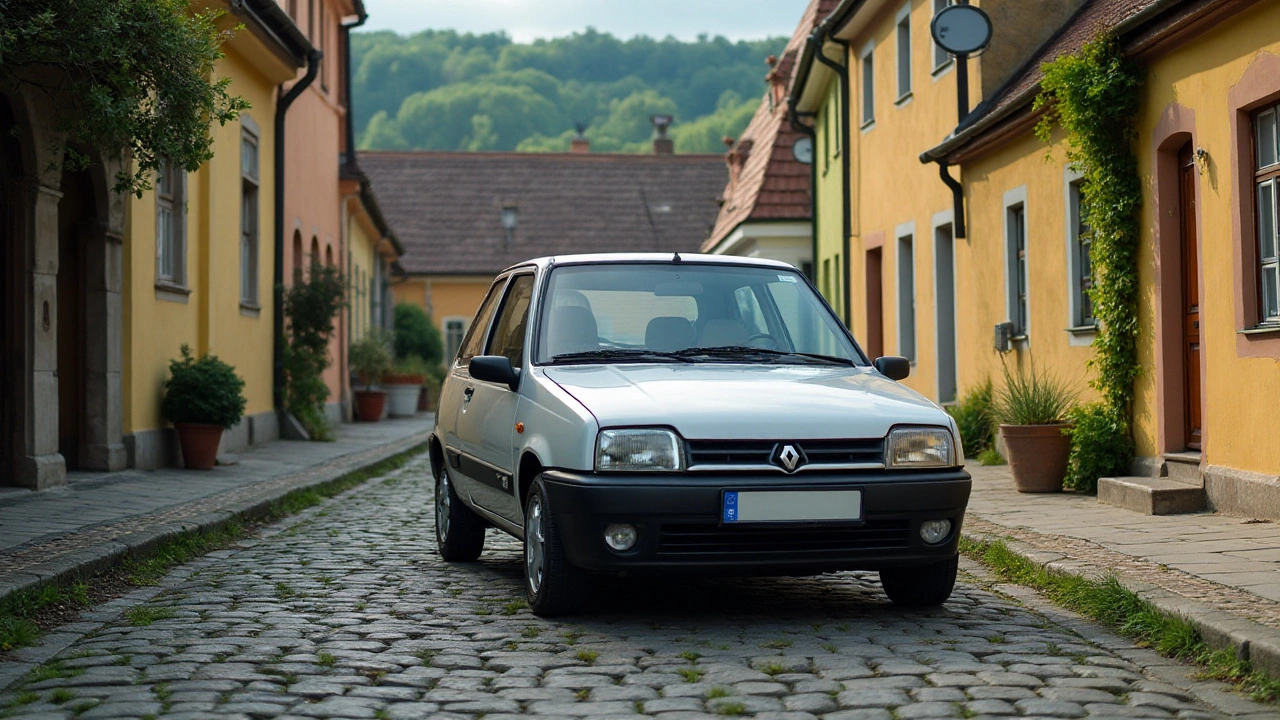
<point x="789" y="457"/>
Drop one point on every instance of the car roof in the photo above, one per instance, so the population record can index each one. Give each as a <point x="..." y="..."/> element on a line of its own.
<point x="607" y="258"/>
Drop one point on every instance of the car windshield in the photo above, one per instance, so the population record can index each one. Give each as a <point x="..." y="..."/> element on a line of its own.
<point x="687" y="312"/>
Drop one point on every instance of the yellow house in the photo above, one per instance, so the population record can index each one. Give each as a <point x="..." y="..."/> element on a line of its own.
<point x="197" y="258"/>
<point x="890" y="257"/>
<point x="372" y="255"/>
<point x="1209" y="162"/>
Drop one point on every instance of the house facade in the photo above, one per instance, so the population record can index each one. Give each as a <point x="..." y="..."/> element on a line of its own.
<point x="464" y="217"/>
<point x="1209" y="335"/>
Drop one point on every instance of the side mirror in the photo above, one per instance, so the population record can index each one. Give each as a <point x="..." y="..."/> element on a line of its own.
<point x="891" y="366"/>
<point x="495" y="369"/>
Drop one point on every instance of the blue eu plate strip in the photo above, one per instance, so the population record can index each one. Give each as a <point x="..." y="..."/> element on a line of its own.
<point x="730" y="507"/>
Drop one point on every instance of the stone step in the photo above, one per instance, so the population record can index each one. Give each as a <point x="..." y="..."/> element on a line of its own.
<point x="1151" y="496"/>
<point x="1183" y="467"/>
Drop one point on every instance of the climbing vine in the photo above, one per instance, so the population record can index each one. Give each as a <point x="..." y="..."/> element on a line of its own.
<point x="1093" y="96"/>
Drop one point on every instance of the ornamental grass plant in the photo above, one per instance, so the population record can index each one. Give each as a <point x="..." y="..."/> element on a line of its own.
<point x="1031" y="397"/>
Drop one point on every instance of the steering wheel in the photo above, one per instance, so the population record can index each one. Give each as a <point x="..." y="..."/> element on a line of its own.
<point x="770" y="343"/>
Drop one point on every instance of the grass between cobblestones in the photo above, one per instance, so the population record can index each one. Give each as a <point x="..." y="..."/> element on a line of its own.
<point x="1120" y="609"/>
<point x="24" y="615"/>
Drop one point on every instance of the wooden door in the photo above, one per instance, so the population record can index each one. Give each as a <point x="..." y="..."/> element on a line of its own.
<point x="875" y="304"/>
<point x="1190" y="295"/>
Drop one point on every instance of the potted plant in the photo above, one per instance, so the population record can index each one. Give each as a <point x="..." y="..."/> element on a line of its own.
<point x="404" y="385"/>
<point x="1032" y="409"/>
<point x="202" y="397"/>
<point x="370" y="357"/>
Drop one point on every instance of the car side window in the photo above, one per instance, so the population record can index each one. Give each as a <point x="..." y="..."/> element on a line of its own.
<point x="508" y="336"/>
<point x="749" y="311"/>
<point x="472" y="344"/>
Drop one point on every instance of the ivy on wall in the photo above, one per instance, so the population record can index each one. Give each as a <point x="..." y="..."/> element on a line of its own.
<point x="1093" y="96"/>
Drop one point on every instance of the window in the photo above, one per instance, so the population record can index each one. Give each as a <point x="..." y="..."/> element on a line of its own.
<point x="248" y="218"/>
<point x="297" y="256"/>
<point x="904" y="52"/>
<point x="311" y="19"/>
<point x="171" y="223"/>
<point x="836" y="111"/>
<point x="1267" y="180"/>
<point x="1016" y="255"/>
<point x="508" y="335"/>
<point x="454" y="329"/>
<point x="941" y="58"/>
<point x="749" y="311"/>
<point x="293" y="10"/>
<point x="868" y="87"/>
<point x="474" y="340"/>
<point x="1081" y="241"/>
<point x="906" y="298"/>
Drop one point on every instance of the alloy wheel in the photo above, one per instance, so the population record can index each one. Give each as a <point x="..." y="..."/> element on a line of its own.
<point x="534" y="550"/>
<point x="442" y="505"/>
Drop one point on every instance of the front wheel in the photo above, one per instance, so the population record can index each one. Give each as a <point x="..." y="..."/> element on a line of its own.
<point x="921" y="586"/>
<point x="552" y="586"/>
<point x="459" y="531"/>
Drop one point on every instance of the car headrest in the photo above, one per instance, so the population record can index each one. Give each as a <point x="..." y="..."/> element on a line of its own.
<point x="571" y="329"/>
<point x="668" y="334"/>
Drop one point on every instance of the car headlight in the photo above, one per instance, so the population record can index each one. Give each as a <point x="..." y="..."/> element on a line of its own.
<point x="918" y="447"/>
<point x="646" y="449"/>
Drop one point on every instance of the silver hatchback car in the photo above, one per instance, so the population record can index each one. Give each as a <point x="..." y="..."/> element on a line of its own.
<point x="642" y="412"/>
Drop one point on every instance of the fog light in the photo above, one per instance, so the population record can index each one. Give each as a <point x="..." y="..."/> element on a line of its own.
<point x="934" y="531"/>
<point x="623" y="537"/>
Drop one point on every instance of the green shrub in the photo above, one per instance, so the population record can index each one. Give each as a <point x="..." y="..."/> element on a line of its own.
<point x="415" y="335"/>
<point x="204" y="390"/>
<point x="991" y="456"/>
<point x="973" y="416"/>
<point x="1032" y="398"/>
<point x="370" y="356"/>
<point x="311" y="306"/>
<point x="411" y="365"/>
<point x="1100" y="446"/>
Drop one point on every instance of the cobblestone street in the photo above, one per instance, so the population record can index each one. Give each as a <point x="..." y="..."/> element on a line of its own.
<point x="346" y="611"/>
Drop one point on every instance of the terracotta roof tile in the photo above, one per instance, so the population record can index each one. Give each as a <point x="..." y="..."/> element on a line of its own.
<point x="446" y="208"/>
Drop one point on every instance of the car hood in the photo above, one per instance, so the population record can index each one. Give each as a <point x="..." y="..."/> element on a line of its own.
<point x="753" y="402"/>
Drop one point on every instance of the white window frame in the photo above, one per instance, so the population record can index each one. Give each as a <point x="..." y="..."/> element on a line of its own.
<point x="1272" y="182"/>
<point x="1013" y="199"/>
<point x="867" y="64"/>
<point x="905" y="282"/>
<point x="250" y="217"/>
<point x="902" y="65"/>
<point x="172" y="227"/>
<point x="1082" y="333"/>
<point x="464" y="322"/>
<point x="942" y="60"/>
<point x="946" y="218"/>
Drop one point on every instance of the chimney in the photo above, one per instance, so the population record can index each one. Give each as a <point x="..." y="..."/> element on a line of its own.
<point x="662" y="145"/>
<point x="580" y="145"/>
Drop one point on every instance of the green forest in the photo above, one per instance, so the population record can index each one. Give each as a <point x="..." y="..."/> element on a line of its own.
<point x="441" y="90"/>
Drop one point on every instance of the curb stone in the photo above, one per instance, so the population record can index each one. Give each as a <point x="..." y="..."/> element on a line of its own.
<point x="1250" y="641"/>
<point x="106" y="554"/>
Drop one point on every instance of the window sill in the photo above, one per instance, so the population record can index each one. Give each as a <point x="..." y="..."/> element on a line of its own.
<point x="170" y="292"/>
<point x="903" y="100"/>
<point x="1264" y="329"/>
<point x="248" y="309"/>
<point x="868" y="126"/>
<point x="1083" y="330"/>
<point x="942" y="69"/>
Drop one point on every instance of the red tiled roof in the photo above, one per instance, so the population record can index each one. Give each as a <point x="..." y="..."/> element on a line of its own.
<point x="446" y="207"/>
<point x="1090" y="20"/>
<point x="771" y="184"/>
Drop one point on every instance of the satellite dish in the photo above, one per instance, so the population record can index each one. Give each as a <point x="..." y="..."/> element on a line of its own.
<point x="961" y="29"/>
<point x="802" y="150"/>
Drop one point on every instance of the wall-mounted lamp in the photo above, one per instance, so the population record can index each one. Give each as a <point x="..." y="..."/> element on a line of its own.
<point x="510" y="218"/>
<point x="1202" y="159"/>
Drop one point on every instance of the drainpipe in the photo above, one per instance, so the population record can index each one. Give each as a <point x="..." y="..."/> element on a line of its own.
<point x="846" y="167"/>
<point x="346" y="74"/>
<point x="957" y="198"/>
<point x="811" y="133"/>
<point x="282" y="107"/>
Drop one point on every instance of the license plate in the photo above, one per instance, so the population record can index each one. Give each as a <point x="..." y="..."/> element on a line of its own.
<point x="741" y="506"/>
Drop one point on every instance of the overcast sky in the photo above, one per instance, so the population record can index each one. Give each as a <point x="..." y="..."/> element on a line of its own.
<point x="525" y="20"/>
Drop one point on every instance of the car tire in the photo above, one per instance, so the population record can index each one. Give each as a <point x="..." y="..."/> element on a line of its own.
<point x="459" y="531"/>
<point x="552" y="586"/>
<point x="920" y="586"/>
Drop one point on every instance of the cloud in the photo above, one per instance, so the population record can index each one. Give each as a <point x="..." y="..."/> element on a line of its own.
<point x="525" y="20"/>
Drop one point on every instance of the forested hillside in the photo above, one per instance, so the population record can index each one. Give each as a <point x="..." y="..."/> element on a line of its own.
<point x="441" y="90"/>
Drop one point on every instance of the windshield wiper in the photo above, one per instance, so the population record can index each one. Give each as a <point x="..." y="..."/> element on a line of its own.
<point x="744" y="351"/>
<point x="625" y="354"/>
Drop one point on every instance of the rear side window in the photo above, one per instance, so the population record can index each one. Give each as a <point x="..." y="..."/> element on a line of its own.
<point x="508" y="335"/>
<point x="472" y="344"/>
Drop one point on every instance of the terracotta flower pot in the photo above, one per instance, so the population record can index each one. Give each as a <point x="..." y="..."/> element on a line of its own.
<point x="1037" y="456"/>
<point x="199" y="443"/>
<point x="369" y="404"/>
<point x="424" y="399"/>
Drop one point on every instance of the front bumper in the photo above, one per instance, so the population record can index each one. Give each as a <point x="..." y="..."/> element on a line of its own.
<point x="678" y="518"/>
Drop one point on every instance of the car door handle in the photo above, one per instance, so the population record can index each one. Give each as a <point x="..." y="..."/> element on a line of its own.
<point x="466" y="394"/>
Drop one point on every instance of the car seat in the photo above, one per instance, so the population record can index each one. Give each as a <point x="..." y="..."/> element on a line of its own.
<point x="669" y="334"/>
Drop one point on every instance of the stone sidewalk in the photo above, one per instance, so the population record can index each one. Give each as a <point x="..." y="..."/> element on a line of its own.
<point x="91" y="523"/>
<point x="1218" y="571"/>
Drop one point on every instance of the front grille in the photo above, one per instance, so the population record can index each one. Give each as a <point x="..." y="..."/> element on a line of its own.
<point x="711" y="453"/>
<point x="711" y="538"/>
